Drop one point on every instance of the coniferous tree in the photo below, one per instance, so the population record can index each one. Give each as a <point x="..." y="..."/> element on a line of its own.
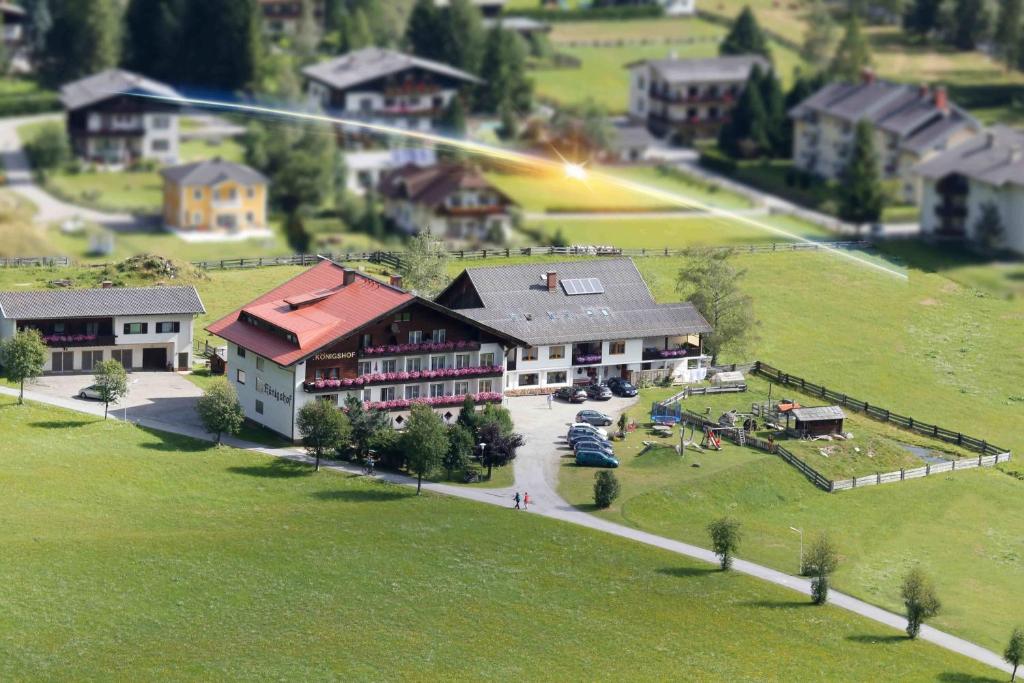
<point x="745" y="36"/>
<point x="357" y="33"/>
<point x="922" y="17"/>
<point x="425" y="32"/>
<point x="819" y="41"/>
<point x="747" y="133"/>
<point x="85" y="38"/>
<point x="970" y="24"/>
<point x="775" y="114"/>
<point x="39" y="20"/>
<point x="153" y="37"/>
<point x="853" y="54"/>
<point x="225" y="46"/>
<point x="334" y="15"/>
<point x="503" y="71"/>
<point x="463" y="36"/>
<point x="861" y="196"/>
<point x="453" y="124"/>
<point x="1007" y="37"/>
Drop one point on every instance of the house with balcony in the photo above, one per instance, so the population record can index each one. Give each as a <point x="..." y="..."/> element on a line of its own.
<point x="331" y="333"/>
<point x="144" y="328"/>
<point x="489" y="9"/>
<point x="108" y="125"/>
<point x="582" y="321"/>
<point x="911" y="123"/>
<point x="958" y="184"/>
<point x="452" y="201"/>
<point x="215" y="199"/>
<point x="385" y="87"/>
<point x="687" y="99"/>
<point x="283" y="17"/>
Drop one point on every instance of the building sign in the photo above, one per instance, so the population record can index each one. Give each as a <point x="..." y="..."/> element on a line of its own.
<point x="335" y="356"/>
<point x="279" y="395"/>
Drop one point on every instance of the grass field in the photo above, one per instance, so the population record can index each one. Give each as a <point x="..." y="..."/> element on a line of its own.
<point x="169" y="558"/>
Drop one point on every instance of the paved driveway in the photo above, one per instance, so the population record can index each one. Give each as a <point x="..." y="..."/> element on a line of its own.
<point x="544" y="427"/>
<point x="163" y="397"/>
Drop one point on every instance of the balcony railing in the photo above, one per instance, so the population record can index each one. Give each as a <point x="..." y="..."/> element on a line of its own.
<point x="64" y="341"/>
<point x="433" y="401"/>
<point x="651" y="353"/>
<point x="700" y="98"/>
<point x="587" y="359"/>
<point x="419" y="347"/>
<point x="376" y="378"/>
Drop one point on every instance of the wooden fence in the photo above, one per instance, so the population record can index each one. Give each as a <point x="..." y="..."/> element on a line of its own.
<point x="35" y="262"/>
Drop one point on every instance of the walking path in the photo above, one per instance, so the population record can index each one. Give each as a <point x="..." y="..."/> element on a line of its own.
<point x="536" y="472"/>
<point x="641" y="215"/>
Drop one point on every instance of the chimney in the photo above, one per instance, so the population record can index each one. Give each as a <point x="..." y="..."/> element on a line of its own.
<point x="552" y="280"/>
<point x="348" y="277"/>
<point x="922" y="91"/>
<point x="396" y="281"/>
<point x="867" y="76"/>
<point x="941" y="99"/>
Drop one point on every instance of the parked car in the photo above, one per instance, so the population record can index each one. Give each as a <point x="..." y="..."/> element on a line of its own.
<point x="571" y="394"/>
<point x="594" y="417"/>
<point x="577" y="435"/>
<point x="599" y="392"/>
<point x="91" y="391"/>
<point x="590" y="443"/>
<point x="593" y="458"/>
<point x="586" y="425"/>
<point x="621" y="387"/>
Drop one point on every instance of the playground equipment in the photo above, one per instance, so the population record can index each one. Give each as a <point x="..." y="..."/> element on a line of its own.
<point x="664" y="413"/>
<point x="711" y="439"/>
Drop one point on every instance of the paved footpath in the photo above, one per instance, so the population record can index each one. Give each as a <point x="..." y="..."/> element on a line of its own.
<point x="536" y="472"/>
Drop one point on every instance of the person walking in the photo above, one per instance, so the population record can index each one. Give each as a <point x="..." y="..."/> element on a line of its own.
<point x="526" y="500"/>
<point x="516" y="498"/>
<point x="551" y="401"/>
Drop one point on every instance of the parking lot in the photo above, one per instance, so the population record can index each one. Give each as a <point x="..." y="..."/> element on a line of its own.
<point x="160" y="396"/>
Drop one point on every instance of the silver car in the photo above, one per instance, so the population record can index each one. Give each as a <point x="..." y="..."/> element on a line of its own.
<point x="91" y="391"/>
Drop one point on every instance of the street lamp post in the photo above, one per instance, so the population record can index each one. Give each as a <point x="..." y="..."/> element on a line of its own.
<point x="801" y="532"/>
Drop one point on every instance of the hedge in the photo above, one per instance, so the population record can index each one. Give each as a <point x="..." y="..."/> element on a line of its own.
<point x="36" y="103"/>
<point x="593" y="14"/>
<point x="714" y="159"/>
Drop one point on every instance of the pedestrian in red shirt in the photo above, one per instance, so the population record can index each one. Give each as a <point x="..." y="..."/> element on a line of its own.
<point x="526" y="500"/>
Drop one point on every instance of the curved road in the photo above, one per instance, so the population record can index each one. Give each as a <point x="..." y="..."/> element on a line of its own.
<point x="536" y="471"/>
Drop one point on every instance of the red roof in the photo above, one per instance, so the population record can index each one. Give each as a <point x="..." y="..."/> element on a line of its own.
<point x="316" y="306"/>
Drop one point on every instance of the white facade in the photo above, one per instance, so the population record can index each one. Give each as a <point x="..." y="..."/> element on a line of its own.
<point x="467" y="215"/>
<point x="118" y="138"/>
<point x="1008" y="199"/>
<point x="413" y="112"/>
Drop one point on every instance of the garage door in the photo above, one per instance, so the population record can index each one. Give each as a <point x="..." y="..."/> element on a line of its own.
<point x="154" y="359"/>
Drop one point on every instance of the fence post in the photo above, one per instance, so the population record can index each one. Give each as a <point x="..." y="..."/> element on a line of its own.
<point x="902" y="474"/>
<point x="979" y="461"/>
<point x="954" y="465"/>
<point x="878" y="477"/>
<point x="959" y="439"/>
<point x="928" y="470"/>
<point x="910" y="424"/>
<point x="984" y="447"/>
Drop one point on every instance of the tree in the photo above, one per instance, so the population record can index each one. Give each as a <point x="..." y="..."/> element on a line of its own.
<point x="989" y="229"/>
<point x="1014" y="653"/>
<point x="1007" y="36"/>
<point x="358" y="33"/>
<point x="969" y="24"/>
<point x="425" y="31"/>
<point x="48" y="149"/>
<point x="819" y="41"/>
<point x="710" y="281"/>
<point x="776" y="117"/>
<point x="307" y="33"/>
<point x="861" y="195"/>
<point x="371" y="222"/>
<point x="725" y="539"/>
<point x="922" y="17"/>
<point x="23" y="357"/>
<point x="83" y="39"/>
<point x="747" y="133"/>
<point x="919" y="597"/>
<point x="339" y="181"/>
<point x="820" y="562"/>
<point x="366" y="425"/>
<point x="299" y="162"/>
<point x="335" y="12"/>
<point x="559" y="239"/>
<point x="425" y="264"/>
<point x="323" y="428"/>
<point x="39" y="20"/>
<point x="153" y="37"/>
<point x="503" y="71"/>
<point x="461" y="443"/>
<point x="425" y="442"/>
<point x="111" y="382"/>
<point x="225" y="44"/>
<point x="296" y="234"/>
<point x="453" y="120"/>
<point x="606" y="488"/>
<point x="499" y="447"/>
<point x="495" y="414"/>
<point x="463" y="35"/>
<point x="467" y="415"/>
<point x="745" y="36"/>
<point x="507" y="124"/>
<point x="853" y="54"/>
<point x="220" y="410"/>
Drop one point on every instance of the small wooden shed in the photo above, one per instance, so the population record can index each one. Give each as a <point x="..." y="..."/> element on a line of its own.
<point x="819" y="420"/>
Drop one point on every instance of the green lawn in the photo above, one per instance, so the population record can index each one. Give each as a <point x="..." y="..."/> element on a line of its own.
<point x="170" y="558"/>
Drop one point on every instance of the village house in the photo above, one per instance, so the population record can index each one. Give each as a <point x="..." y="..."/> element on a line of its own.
<point x="144" y="328"/>
<point x="687" y="99"/>
<point x="450" y="200"/>
<point x="283" y="17"/>
<point x="108" y="126"/>
<point x="331" y="332"/>
<point x="215" y="198"/>
<point x="384" y="87"/>
<point x="489" y="9"/>
<point x="14" y="19"/>
<point x="911" y="123"/>
<point x="986" y="170"/>
<point x="582" y="321"/>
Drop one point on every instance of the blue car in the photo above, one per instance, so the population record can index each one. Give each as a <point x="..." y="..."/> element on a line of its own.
<point x="592" y="458"/>
<point x="582" y="434"/>
<point x="593" y="444"/>
<point x="621" y="387"/>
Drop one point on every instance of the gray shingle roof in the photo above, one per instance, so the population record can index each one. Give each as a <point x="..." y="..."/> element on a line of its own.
<point x="712" y="69"/>
<point x="371" y="63"/>
<point x="105" y="84"/>
<point x="516" y="301"/>
<point x="995" y="157"/>
<point x="631" y="136"/>
<point x="212" y="172"/>
<point x="818" y="413"/>
<point x="89" y="303"/>
<point x="521" y="24"/>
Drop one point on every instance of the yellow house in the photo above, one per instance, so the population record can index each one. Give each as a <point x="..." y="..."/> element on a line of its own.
<point x="214" y="196"/>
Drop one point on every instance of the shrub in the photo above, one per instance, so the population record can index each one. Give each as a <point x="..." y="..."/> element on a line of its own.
<point x="606" y="488"/>
<point x="919" y="596"/>
<point x="725" y="539"/>
<point x="714" y="159"/>
<point x="49" y="148"/>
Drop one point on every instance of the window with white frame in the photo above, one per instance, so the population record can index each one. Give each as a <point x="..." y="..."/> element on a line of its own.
<point x="240" y="375"/>
<point x="529" y="353"/>
<point x="486" y="386"/>
<point x="438" y="362"/>
<point x="556" y="352"/>
<point x="413" y="364"/>
<point x="367" y="394"/>
<point x="530" y="379"/>
<point x="461" y="388"/>
<point x="412" y="391"/>
<point x="389" y="365"/>
<point x="487" y="358"/>
<point x="436" y="390"/>
<point x="415" y="336"/>
<point x="438" y="336"/>
<point x="555" y="378"/>
<point x="462" y="360"/>
<point x="259" y="362"/>
<point x="387" y="393"/>
<point x="364" y="367"/>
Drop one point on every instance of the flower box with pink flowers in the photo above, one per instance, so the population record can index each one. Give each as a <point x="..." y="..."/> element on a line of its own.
<point x="420" y="347"/>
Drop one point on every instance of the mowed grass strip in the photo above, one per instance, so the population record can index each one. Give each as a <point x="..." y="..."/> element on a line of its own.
<point x="158" y="556"/>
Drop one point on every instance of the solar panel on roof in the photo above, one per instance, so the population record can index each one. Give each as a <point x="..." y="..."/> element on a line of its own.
<point x="589" y="285"/>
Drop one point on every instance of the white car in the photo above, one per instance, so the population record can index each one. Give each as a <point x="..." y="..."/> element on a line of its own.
<point x="90" y="392"/>
<point x="587" y="425"/>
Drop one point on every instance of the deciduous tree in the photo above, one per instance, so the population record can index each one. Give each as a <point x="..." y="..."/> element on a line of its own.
<point x="366" y="425"/>
<point x="821" y="560"/>
<point x="323" y="428"/>
<point x="1014" y="653"/>
<point x="606" y="488"/>
<point x="499" y="447"/>
<point x="853" y="54"/>
<point x="23" y="357"/>
<point x="85" y="38"/>
<point x="461" y="443"/>
<point x="969" y="25"/>
<point x="989" y="229"/>
<point x="425" y="442"/>
<point x="861" y="195"/>
<point x="503" y="71"/>
<point x="922" y="17"/>
<point x="463" y="35"/>
<point x="745" y="36"/>
<point x="710" y="281"/>
<point x="1007" y="36"/>
<point x="111" y="382"/>
<point x="920" y="599"/>
<point x="425" y="264"/>
<point x="39" y="20"/>
<point x="725" y="539"/>
<point x="220" y="410"/>
<point x="820" y="39"/>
